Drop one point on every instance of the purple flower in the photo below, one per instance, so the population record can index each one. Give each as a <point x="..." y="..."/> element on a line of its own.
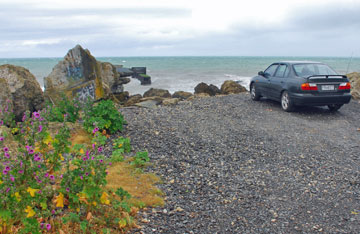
<point x="36" y="114"/>
<point x="81" y="177"/>
<point x="20" y="171"/>
<point x="1" y="138"/>
<point x="101" y="160"/>
<point x="52" y="177"/>
<point x="39" y="181"/>
<point x="5" y="172"/>
<point x="48" y="226"/>
<point x="6" y="149"/>
<point x="23" y="118"/>
<point x="93" y="146"/>
<point x="95" y="130"/>
<point x="100" y="149"/>
<point x="61" y="176"/>
<point x="41" y="225"/>
<point x="87" y="173"/>
<point x="110" y="163"/>
<point x="67" y="189"/>
<point x="7" y="168"/>
<point x="39" y="166"/>
<point x="87" y="153"/>
<point x="7" y="190"/>
<point x="46" y="174"/>
<point x="40" y="128"/>
<point x="7" y="155"/>
<point x="37" y="158"/>
<point x="12" y="178"/>
<point x="41" y="119"/>
<point x="1" y="123"/>
<point x="84" y="159"/>
<point x="31" y="151"/>
<point x="53" y="212"/>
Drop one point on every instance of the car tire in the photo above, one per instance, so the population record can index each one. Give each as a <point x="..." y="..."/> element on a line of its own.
<point x="286" y="102"/>
<point x="255" y="96"/>
<point x="334" y="107"/>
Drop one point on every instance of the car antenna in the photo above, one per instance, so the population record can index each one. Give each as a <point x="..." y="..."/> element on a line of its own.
<point x="347" y="69"/>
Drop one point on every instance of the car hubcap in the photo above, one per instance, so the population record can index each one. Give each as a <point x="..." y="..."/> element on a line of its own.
<point x="253" y="91"/>
<point x="285" y="101"/>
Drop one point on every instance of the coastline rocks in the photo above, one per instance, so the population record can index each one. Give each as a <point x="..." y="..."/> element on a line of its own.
<point x="182" y="95"/>
<point x="121" y="97"/>
<point x="4" y="93"/>
<point x="170" y="101"/>
<point x="23" y="90"/>
<point x="158" y="93"/>
<point x="80" y="74"/>
<point x="133" y="100"/>
<point x="202" y="87"/>
<point x="354" y="78"/>
<point x="231" y="87"/>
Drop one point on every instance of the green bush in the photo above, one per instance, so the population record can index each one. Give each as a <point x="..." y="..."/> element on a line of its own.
<point x="140" y="159"/>
<point x="104" y="116"/>
<point x="67" y="109"/>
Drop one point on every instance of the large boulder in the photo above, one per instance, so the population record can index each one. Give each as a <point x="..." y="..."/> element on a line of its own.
<point x="182" y="95"/>
<point x="355" y="84"/>
<point x="132" y="100"/>
<point x="157" y="93"/>
<point x="5" y="93"/>
<point x="80" y="74"/>
<point x="21" y="88"/>
<point x="231" y="87"/>
<point x="202" y="87"/>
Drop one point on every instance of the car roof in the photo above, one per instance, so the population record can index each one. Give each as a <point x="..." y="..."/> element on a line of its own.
<point x="299" y="62"/>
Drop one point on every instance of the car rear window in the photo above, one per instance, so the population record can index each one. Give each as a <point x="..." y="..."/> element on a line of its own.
<point x="310" y="69"/>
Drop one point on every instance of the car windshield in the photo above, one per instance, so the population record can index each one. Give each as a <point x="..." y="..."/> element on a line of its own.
<point x="311" y="69"/>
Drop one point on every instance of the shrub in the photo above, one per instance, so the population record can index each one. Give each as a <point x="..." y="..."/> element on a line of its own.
<point x="104" y="116"/>
<point x="120" y="146"/>
<point x="65" y="109"/>
<point x="140" y="159"/>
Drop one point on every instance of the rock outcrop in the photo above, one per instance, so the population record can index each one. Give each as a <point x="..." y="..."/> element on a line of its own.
<point x="231" y="87"/>
<point x="79" y="74"/>
<point x="132" y="100"/>
<point x="182" y="95"/>
<point x="157" y="93"/>
<point x="202" y="87"/>
<point x="5" y="93"/>
<point x="355" y="84"/>
<point x="22" y="89"/>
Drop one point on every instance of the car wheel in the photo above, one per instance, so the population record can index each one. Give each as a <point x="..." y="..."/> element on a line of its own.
<point x="286" y="102"/>
<point x="254" y="93"/>
<point x="334" y="107"/>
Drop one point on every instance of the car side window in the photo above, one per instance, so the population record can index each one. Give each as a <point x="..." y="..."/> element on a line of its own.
<point x="271" y="70"/>
<point x="287" y="71"/>
<point x="281" y="70"/>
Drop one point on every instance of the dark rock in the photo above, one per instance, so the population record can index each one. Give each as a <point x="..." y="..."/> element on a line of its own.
<point x="231" y="87"/>
<point x="182" y="95"/>
<point x="25" y="91"/>
<point x="121" y="97"/>
<point x="202" y="87"/>
<point x="133" y="100"/>
<point x="157" y="92"/>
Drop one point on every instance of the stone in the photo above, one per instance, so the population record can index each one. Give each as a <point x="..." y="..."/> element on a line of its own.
<point x="159" y="100"/>
<point x="201" y="95"/>
<point x="80" y="75"/>
<point x="133" y="100"/>
<point x="182" y="95"/>
<point x="148" y="104"/>
<point x="121" y="97"/>
<point x="5" y="93"/>
<point x="202" y="87"/>
<point x="354" y="78"/>
<point x="157" y="92"/>
<point x="170" y="101"/>
<point x="231" y="87"/>
<point x="25" y="91"/>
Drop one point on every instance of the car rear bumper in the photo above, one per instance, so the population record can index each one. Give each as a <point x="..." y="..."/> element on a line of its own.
<point x="320" y="100"/>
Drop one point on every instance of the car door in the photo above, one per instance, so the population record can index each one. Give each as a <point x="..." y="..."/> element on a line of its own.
<point x="277" y="82"/>
<point x="268" y="75"/>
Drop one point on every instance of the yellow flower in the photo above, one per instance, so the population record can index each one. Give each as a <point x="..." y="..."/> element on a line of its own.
<point x="18" y="197"/>
<point x="82" y="151"/>
<point x="1" y="182"/>
<point x="120" y="145"/>
<point x="82" y="197"/>
<point x="48" y="140"/>
<point x="60" y="200"/>
<point x="104" y="198"/>
<point x="30" y="212"/>
<point x="32" y="191"/>
<point x="94" y="203"/>
<point x="78" y="209"/>
<point x="14" y="130"/>
<point x="61" y="157"/>
<point x="122" y="223"/>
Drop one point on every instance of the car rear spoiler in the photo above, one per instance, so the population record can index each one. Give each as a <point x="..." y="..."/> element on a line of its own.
<point x="326" y="77"/>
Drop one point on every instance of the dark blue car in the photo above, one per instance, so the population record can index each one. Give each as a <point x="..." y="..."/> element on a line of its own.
<point x="301" y="83"/>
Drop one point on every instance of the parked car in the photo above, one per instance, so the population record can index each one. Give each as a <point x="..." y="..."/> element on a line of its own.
<point x="301" y="83"/>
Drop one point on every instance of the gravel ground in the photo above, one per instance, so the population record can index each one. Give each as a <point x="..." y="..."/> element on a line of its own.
<point x="232" y="165"/>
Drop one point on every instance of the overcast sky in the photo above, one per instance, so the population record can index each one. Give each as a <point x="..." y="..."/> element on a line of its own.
<point x="49" y="28"/>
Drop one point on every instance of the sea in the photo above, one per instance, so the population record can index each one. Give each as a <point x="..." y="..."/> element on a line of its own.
<point x="184" y="73"/>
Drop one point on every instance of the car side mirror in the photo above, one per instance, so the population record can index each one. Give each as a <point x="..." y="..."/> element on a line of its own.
<point x="261" y="73"/>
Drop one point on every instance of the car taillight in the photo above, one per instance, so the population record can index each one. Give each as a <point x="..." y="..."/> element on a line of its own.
<point x="309" y="86"/>
<point x="344" y="86"/>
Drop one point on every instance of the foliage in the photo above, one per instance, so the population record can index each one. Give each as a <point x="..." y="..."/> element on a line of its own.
<point x="65" y="109"/>
<point x="103" y="115"/>
<point x="7" y="115"/>
<point x="121" y="145"/>
<point x="46" y="182"/>
<point x="140" y="159"/>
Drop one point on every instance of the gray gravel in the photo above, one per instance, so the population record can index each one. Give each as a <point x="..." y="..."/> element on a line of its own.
<point x="232" y="165"/>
